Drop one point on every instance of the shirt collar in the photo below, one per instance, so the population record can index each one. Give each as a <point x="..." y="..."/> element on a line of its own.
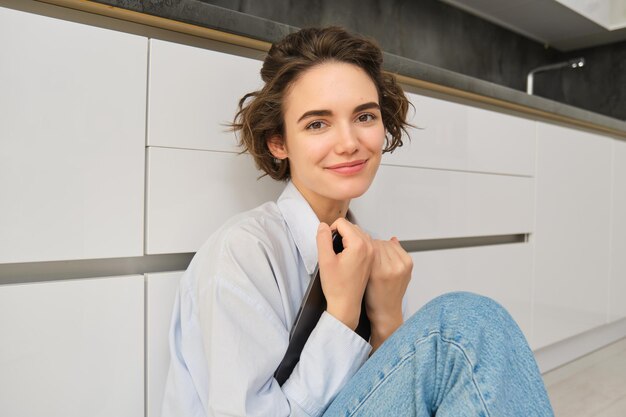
<point x="302" y="223"/>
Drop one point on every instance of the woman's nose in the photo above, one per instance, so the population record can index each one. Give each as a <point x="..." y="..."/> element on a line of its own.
<point x="347" y="140"/>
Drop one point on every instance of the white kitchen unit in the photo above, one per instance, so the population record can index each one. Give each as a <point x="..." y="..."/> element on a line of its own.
<point x="191" y="193"/>
<point x="502" y="272"/>
<point x="161" y="290"/>
<point x="456" y="136"/>
<point x="193" y="93"/>
<point x="617" y="284"/>
<point x="72" y="348"/>
<point x="572" y="232"/>
<point x="72" y="139"/>
<point x="417" y="203"/>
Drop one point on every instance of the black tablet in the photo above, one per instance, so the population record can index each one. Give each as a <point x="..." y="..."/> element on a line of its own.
<point x="311" y="309"/>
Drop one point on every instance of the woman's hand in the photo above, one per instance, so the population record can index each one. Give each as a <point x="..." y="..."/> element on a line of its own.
<point x="344" y="275"/>
<point x="389" y="278"/>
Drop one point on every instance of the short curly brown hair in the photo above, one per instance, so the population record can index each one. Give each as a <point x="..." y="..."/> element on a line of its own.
<point x="260" y="114"/>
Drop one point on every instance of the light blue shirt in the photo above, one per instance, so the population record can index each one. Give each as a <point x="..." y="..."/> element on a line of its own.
<point x="235" y="306"/>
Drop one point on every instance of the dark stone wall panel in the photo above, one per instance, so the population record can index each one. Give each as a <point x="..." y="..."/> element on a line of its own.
<point x="599" y="86"/>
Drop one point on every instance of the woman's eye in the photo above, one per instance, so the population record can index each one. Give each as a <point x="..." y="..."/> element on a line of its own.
<point x="366" y="117"/>
<point x="315" y="125"/>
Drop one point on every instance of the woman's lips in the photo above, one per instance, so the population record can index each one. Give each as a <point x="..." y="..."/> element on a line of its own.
<point x="347" y="168"/>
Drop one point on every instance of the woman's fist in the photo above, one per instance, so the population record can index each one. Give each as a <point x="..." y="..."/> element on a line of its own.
<point x="344" y="275"/>
<point x="389" y="278"/>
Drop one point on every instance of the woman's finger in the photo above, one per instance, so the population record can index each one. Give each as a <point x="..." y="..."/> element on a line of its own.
<point x="350" y="233"/>
<point x="325" y="250"/>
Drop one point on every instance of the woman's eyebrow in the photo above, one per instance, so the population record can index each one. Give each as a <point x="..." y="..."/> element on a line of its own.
<point x="365" y="106"/>
<point x="315" y="113"/>
<point x="357" y="109"/>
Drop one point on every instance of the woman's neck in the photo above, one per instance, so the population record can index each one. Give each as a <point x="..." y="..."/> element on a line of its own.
<point x="325" y="209"/>
<point x="330" y="212"/>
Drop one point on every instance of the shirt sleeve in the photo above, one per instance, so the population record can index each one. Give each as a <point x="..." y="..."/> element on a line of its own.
<point x="332" y="355"/>
<point x="245" y="339"/>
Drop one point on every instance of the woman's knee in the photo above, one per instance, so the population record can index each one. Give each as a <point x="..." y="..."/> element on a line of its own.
<point x="468" y="302"/>
<point x="466" y="311"/>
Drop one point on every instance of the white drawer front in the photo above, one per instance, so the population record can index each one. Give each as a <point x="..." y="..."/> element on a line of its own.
<point x="72" y="140"/>
<point x="459" y="137"/>
<point x="415" y="203"/>
<point x="617" y="286"/>
<point x="193" y="92"/>
<point x="72" y="348"/>
<point x="192" y="193"/>
<point x="572" y="232"/>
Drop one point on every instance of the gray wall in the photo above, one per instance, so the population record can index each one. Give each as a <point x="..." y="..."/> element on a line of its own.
<point x="438" y="34"/>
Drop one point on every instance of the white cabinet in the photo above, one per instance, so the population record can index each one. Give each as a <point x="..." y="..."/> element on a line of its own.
<point x="502" y="272"/>
<point x="191" y="193"/>
<point x="72" y="348"/>
<point x="72" y="140"/>
<point x="416" y="203"/>
<point x="572" y="232"/>
<point x="455" y="136"/>
<point x="193" y="93"/>
<point x="160" y="293"/>
<point x="617" y="286"/>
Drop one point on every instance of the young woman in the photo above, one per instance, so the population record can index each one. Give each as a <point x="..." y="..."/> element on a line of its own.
<point x="321" y="123"/>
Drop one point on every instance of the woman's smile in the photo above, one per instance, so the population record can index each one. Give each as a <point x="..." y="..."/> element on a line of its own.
<point x="348" y="168"/>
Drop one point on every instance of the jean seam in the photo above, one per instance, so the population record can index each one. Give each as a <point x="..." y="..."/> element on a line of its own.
<point x="458" y="346"/>
<point x="375" y="387"/>
<point x="412" y="353"/>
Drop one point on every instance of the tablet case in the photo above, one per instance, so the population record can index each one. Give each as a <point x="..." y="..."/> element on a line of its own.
<point x="313" y="305"/>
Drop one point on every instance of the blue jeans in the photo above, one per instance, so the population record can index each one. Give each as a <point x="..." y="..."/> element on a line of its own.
<point x="460" y="355"/>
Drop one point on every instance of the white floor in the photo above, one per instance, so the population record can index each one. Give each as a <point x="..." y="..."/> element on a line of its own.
<point x="592" y="386"/>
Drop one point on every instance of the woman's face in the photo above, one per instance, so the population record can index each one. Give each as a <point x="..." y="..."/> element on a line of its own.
<point x="334" y="133"/>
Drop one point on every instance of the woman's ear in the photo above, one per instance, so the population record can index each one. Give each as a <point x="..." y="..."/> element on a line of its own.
<point x="277" y="147"/>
